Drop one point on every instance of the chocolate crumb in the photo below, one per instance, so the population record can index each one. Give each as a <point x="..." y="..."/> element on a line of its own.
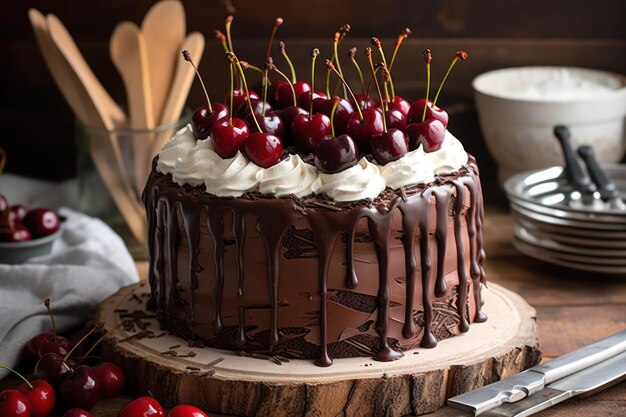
<point x="174" y="347"/>
<point x="215" y="362"/>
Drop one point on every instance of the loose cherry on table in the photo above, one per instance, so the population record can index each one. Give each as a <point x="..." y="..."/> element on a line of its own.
<point x="48" y="342"/>
<point x="77" y="412"/>
<point x="13" y="404"/>
<point x="336" y="153"/>
<point x="39" y="395"/>
<point x="142" y="407"/>
<point x="42" y="222"/>
<point x="204" y="117"/>
<point x="185" y="410"/>
<point x="111" y="379"/>
<point x="80" y="388"/>
<point x="391" y="144"/>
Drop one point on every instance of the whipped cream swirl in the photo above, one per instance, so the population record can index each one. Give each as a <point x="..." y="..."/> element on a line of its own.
<point x="290" y="176"/>
<point x="176" y="148"/>
<point x="421" y="167"/>
<point x="231" y="177"/>
<point x="358" y="182"/>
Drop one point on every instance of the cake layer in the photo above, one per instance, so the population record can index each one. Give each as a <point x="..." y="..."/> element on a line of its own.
<point x="312" y="278"/>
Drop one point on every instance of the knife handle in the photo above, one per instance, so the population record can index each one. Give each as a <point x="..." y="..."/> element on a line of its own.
<point x="583" y="358"/>
<point x="575" y="173"/>
<point x="605" y="184"/>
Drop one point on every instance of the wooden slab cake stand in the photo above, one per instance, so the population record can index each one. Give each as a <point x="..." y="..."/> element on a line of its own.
<point x="175" y="371"/>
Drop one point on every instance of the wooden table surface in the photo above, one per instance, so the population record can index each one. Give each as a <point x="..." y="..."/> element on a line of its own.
<point x="573" y="309"/>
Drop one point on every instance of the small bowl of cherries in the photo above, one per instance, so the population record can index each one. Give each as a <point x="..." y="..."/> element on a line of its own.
<point x="26" y="233"/>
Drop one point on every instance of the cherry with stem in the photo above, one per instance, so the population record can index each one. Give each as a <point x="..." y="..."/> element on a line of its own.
<point x="459" y="55"/>
<point x="39" y="394"/>
<point x="204" y="118"/>
<point x="392" y="144"/>
<point x="364" y="100"/>
<point x="337" y="153"/>
<point x="48" y="342"/>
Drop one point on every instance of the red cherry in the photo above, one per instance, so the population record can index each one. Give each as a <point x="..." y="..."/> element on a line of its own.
<point x="239" y="99"/>
<point x="417" y="110"/>
<point x="389" y="146"/>
<point x="111" y="379"/>
<point x="362" y="130"/>
<point x="142" y="407"/>
<point x="44" y="343"/>
<point x="304" y="99"/>
<point x="257" y="106"/>
<point x="228" y="139"/>
<point x="270" y="124"/>
<point x="42" y="222"/>
<point x="51" y="367"/>
<point x="80" y="389"/>
<point x="13" y="404"/>
<point x="17" y="213"/>
<point x="185" y="410"/>
<point x="263" y="149"/>
<point x="365" y="102"/>
<point x="41" y="397"/>
<point x="281" y="96"/>
<point x="400" y="104"/>
<point x="308" y="134"/>
<point x="77" y="412"/>
<point x="430" y="134"/>
<point x="336" y="155"/>
<point x="287" y="115"/>
<point x="394" y="116"/>
<point x="203" y="120"/>
<point x="342" y="114"/>
<point x="17" y="233"/>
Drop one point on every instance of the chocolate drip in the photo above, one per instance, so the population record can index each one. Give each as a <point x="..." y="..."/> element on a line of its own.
<point x="215" y="221"/>
<point x="239" y="231"/>
<point x="191" y="219"/>
<point x="328" y="222"/>
<point x="442" y="200"/>
<point x="379" y="223"/>
<point x="461" y="299"/>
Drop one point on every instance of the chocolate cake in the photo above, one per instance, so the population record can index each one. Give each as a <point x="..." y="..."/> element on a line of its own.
<point x="303" y="244"/>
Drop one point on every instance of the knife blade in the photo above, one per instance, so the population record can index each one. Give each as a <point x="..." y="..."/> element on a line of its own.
<point x="588" y="381"/>
<point x="533" y="380"/>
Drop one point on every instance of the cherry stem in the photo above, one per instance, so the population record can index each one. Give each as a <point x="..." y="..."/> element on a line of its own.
<point x="270" y="66"/>
<point x="188" y="59"/>
<point x="338" y="37"/>
<point x="368" y="54"/>
<point x="369" y="86"/>
<point x="229" y="21"/>
<point x="402" y="36"/>
<point x="379" y="46"/>
<point x="97" y="342"/>
<point x="283" y="51"/>
<point x="427" y="58"/>
<point x="232" y="93"/>
<point x="343" y="31"/>
<point x="222" y="38"/>
<point x="233" y="59"/>
<point x="46" y="302"/>
<point x="18" y="374"/>
<point x="277" y="23"/>
<point x="385" y="89"/>
<point x="98" y="326"/>
<point x="345" y="84"/>
<point x="459" y="55"/>
<point x="314" y="55"/>
<point x="351" y="54"/>
<point x="332" y="118"/>
<point x="265" y="87"/>
<point x="246" y="65"/>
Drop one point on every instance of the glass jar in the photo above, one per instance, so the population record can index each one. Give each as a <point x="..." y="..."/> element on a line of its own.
<point x="113" y="167"/>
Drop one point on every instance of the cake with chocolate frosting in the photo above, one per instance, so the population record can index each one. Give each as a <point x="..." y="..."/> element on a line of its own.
<point x="350" y="243"/>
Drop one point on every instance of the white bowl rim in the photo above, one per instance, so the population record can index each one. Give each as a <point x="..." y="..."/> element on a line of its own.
<point x="40" y="241"/>
<point x="608" y="74"/>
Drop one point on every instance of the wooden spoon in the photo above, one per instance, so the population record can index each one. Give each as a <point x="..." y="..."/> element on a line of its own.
<point x="194" y="43"/>
<point x="128" y="53"/>
<point x="164" y="29"/>
<point x="84" y="107"/>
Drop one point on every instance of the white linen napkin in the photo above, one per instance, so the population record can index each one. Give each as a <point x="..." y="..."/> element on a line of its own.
<point x="88" y="263"/>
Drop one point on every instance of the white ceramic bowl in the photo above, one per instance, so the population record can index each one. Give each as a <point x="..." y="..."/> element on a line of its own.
<point x="19" y="252"/>
<point x="519" y="107"/>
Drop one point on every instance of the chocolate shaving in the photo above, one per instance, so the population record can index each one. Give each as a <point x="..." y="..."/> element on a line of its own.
<point x="214" y="362"/>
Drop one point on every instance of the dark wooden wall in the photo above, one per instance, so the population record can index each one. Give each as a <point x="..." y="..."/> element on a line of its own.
<point x="37" y="125"/>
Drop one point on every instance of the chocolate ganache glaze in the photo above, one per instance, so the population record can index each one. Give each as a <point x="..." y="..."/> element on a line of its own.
<point x="314" y="278"/>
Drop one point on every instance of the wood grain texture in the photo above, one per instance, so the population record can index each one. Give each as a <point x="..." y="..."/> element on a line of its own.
<point x="247" y="387"/>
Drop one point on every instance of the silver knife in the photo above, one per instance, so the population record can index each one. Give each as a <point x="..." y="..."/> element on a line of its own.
<point x="588" y="381"/>
<point x="533" y="380"/>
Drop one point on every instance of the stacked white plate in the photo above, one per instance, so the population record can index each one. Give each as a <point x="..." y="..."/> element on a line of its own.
<point x="558" y="225"/>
